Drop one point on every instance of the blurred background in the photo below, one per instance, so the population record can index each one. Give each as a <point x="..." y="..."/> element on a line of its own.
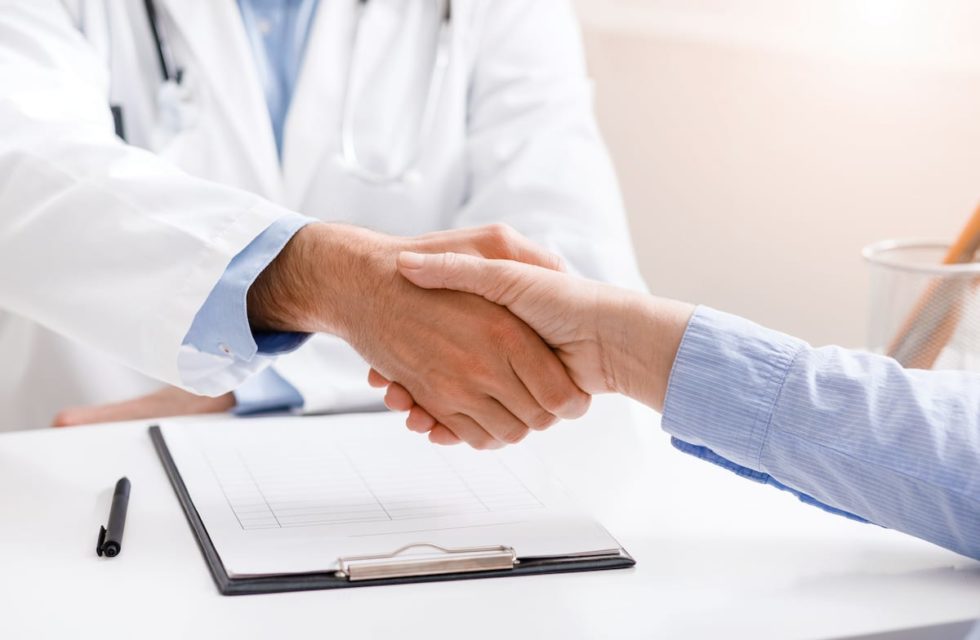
<point x="762" y="143"/>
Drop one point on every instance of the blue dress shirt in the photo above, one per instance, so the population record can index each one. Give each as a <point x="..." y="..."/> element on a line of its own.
<point x="848" y="431"/>
<point x="278" y="31"/>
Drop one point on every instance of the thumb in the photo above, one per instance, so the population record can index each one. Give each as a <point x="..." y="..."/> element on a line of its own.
<point x="491" y="279"/>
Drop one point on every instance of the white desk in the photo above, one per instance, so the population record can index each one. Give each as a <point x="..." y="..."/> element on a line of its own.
<point x="717" y="556"/>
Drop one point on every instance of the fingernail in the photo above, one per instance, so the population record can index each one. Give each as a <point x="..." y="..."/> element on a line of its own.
<point x="411" y="260"/>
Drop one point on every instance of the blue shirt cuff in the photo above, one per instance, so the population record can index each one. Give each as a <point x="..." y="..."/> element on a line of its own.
<point x="221" y="325"/>
<point x="723" y="388"/>
<point x="724" y="384"/>
<point x="266" y="391"/>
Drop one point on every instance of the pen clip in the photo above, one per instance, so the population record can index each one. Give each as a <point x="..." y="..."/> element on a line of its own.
<point x="101" y="542"/>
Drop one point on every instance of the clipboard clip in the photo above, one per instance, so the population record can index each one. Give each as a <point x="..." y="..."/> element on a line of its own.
<point x="424" y="559"/>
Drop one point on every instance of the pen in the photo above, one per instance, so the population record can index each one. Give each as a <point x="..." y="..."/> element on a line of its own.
<point x="110" y="537"/>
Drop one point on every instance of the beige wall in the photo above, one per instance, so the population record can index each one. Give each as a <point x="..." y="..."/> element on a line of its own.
<point x="757" y="159"/>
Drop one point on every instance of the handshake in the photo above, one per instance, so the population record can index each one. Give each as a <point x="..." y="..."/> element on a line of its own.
<point x="478" y="334"/>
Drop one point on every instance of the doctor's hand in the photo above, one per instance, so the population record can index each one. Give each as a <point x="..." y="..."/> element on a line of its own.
<point x="610" y="339"/>
<point x="474" y="366"/>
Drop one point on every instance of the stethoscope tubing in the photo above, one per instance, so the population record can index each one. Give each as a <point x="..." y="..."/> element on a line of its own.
<point x="160" y="45"/>
<point x="349" y="158"/>
<point x="349" y="155"/>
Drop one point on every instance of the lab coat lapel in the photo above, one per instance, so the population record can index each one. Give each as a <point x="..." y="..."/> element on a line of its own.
<point x="216" y="37"/>
<point x="313" y="123"/>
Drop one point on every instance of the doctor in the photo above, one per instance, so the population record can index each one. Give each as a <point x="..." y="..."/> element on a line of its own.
<point x="124" y="264"/>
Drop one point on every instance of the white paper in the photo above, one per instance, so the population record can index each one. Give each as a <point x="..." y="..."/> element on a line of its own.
<point x="292" y="495"/>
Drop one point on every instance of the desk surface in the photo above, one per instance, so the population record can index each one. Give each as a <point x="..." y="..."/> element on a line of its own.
<point x="717" y="556"/>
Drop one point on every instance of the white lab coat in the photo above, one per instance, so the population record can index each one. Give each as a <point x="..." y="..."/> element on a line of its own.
<point x="107" y="250"/>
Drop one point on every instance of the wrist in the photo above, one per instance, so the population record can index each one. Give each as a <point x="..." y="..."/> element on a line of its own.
<point x="641" y="337"/>
<point x="319" y="281"/>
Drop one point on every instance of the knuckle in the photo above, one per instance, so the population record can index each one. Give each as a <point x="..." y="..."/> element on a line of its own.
<point x="556" y="263"/>
<point x="501" y="236"/>
<point x="451" y="262"/>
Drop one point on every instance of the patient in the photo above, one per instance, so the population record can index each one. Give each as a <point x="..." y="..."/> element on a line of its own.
<point x="850" y="432"/>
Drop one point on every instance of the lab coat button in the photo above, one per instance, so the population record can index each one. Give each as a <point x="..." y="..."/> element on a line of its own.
<point x="225" y="348"/>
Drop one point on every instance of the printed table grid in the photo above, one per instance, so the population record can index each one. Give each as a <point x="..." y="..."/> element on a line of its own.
<point x="360" y="483"/>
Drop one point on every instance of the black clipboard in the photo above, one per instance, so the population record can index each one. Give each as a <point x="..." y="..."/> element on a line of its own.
<point x="387" y="569"/>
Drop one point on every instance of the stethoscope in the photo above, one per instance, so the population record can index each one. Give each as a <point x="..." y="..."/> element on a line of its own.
<point x="349" y="159"/>
<point x="176" y="113"/>
<point x="168" y="70"/>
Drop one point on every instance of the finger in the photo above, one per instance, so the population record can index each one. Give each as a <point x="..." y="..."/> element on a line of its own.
<point x="441" y="434"/>
<point x="518" y="401"/>
<point x="377" y="380"/>
<point x="495" y="241"/>
<point x="419" y="420"/>
<point x="470" y="432"/>
<point x="500" y="241"/>
<point x="397" y="398"/>
<point x="537" y="389"/>
<point x="499" y="281"/>
<point x="500" y="423"/>
<point x="548" y="382"/>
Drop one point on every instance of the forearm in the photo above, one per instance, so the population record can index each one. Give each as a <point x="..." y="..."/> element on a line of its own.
<point x="897" y="447"/>
<point x="850" y="430"/>
<point x="322" y="281"/>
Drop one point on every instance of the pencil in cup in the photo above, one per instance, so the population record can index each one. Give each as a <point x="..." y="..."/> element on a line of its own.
<point x="938" y="313"/>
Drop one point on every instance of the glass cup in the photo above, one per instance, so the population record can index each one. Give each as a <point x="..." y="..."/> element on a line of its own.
<point x="923" y="313"/>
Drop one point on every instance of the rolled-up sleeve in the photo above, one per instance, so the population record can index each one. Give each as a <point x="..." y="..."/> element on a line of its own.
<point x="221" y="326"/>
<point x="221" y="332"/>
<point x="851" y="432"/>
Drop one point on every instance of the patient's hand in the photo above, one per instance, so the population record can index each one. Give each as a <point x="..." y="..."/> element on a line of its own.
<point x="610" y="339"/>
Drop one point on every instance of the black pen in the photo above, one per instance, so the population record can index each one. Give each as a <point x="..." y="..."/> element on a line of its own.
<point x="110" y="539"/>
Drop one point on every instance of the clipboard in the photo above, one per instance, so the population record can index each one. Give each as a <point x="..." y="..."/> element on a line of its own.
<point x="422" y="562"/>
